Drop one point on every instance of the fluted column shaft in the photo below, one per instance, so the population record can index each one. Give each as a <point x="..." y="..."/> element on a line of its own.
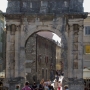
<point x="17" y="50"/>
<point x="8" y="53"/>
<point x="70" y="52"/>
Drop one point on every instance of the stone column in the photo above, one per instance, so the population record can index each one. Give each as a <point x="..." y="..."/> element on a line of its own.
<point x="10" y="56"/>
<point x="8" y="52"/>
<point x="17" y="50"/>
<point x="12" y="50"/>
<point x="76" y="83"/>
<point x="22" y="48"/>
<point x="70" y="52"/>
<point x="80" y="49"/>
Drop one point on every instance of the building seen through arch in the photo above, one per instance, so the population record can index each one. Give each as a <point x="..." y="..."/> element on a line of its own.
<point x="40" y="59"/>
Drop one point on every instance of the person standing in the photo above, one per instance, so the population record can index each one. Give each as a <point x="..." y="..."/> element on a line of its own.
<point x="26" y="86"/>
<point x="41" y="87"/>
<point x="66" y="87"/>
<point x="34" y="86"/>
<point x="59" y="85"/>
<point x="55" y="84"/>
<point x="50" y="87"/>
<point x="46" y="86"/>
<point x="17" y="88"/>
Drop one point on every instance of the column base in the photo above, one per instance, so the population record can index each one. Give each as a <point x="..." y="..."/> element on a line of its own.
<point x="10" y="83"/>
<point x="76" y="84"/>
<point x="76" y="87"/>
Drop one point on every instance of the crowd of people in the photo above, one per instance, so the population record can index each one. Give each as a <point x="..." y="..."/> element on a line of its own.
<point x="44" y="85"/>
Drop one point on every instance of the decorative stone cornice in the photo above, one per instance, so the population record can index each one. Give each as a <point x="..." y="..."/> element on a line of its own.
<point x="30" y="17"/>
<point x="76" y="15"/>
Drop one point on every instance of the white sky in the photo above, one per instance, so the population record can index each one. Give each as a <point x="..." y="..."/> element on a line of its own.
<point x="3" y="5"/>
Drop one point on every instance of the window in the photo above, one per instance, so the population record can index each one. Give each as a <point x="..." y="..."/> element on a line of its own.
<point x="87" y="30"/>
<point x="46" y="74"/>
<point x="42" y="73"/>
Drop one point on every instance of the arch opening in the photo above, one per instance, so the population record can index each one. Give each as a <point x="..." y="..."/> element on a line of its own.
<point x="43" y="57"/>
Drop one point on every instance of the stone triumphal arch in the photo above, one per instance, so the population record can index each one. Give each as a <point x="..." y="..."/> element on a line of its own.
<point x="63" y="17"/>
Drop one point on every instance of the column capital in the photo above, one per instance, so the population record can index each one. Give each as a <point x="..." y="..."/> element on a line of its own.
<point x="81" y="27"/>
<point x="70" y="27"/>
<point x="18" y="27"/>
<point x="7" y="27"/>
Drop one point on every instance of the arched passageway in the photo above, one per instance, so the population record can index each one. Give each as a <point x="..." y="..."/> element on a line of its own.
<point x="41" y="57"/>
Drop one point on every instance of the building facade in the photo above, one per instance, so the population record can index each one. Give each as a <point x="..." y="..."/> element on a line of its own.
<point x="41" y="59"/>
<point x="58" y="58"/>
<point x="86" y="52"/>
<point x="2" y="42"/>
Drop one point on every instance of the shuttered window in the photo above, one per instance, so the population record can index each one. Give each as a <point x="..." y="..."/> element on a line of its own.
<point x="87" y="30"/>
